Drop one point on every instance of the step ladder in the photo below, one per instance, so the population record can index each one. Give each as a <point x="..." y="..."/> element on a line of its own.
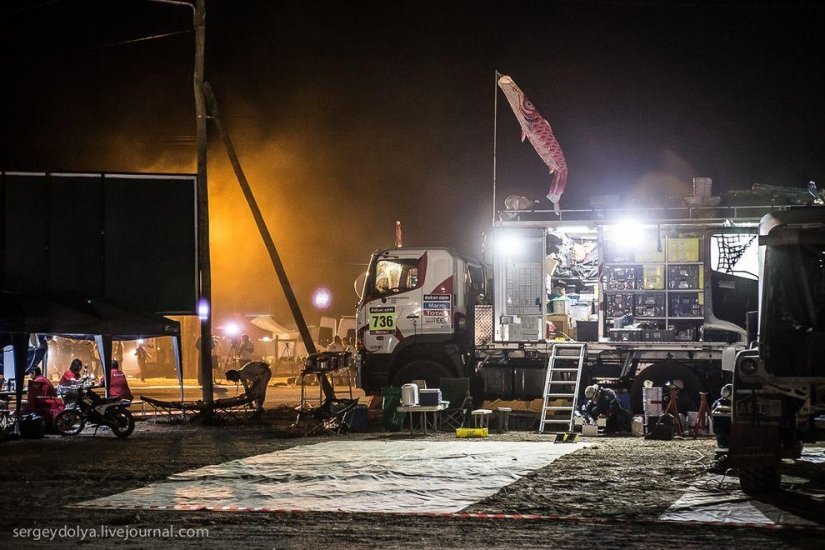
<point x="561" y="383"/>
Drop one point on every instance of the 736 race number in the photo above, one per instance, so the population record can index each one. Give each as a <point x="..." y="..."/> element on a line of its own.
<point x="382" y="320"/>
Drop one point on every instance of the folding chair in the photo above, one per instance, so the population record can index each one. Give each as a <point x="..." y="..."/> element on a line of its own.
<point x="334" y="416"/>
<point x="457" y="392"/>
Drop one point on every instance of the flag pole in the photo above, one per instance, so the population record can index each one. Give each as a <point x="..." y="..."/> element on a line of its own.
<point x="495" y="143"/>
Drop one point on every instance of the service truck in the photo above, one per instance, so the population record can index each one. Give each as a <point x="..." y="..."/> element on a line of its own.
<point x="657" y="294"/>
<point x="779" y="385"/>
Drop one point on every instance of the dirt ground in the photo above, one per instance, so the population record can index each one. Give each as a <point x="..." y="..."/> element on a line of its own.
<point x="610" y="494"/>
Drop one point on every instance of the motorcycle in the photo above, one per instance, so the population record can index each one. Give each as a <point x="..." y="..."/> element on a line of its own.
<point x="85" y="406"/>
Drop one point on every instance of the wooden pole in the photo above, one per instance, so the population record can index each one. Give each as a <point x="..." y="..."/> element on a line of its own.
<point x="205" y="262"/>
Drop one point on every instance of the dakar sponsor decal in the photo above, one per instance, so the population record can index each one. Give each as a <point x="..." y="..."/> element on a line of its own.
<point x="436" y="311"/>
<point x="382" y="320"/>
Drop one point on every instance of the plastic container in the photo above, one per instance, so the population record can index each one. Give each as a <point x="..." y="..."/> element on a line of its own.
<point x="392" y="420"/>
<point x="472" y="432"/>
<point x="409" y="395"/>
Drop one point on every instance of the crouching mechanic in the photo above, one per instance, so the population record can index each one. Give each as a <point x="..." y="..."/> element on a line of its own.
<point x="603" y="401"/>
<point x="255" y="377"/>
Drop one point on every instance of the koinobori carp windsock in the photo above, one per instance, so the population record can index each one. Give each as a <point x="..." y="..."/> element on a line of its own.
<point x="538" y="131"/>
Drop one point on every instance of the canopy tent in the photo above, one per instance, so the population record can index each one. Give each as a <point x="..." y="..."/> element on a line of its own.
<point x="288" y="342"/>
<point x="80" y="318"/>
<point x="272" y="326"/>
<point x="236" y="324"/>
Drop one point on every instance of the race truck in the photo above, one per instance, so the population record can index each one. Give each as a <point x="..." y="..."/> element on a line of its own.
<point x="657" y="295"/>
<point x="779" y="385"/>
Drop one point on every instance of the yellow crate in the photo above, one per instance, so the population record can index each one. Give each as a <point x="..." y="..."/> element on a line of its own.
<point x="683" y="250"/>
<point x="653" y="277"/>
<point x="647" y="250"/>
<point x="471" y="432"/>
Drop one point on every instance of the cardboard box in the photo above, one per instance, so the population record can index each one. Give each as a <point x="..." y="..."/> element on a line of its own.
<point x="562" y="324"/>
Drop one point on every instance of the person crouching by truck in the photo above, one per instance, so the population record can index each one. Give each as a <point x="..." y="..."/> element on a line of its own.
<point x="604" y="402"/>
<point x="255" y="378"/>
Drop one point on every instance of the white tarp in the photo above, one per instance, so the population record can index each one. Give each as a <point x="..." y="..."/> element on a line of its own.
<point x="351" y="476"/>
<point x="715" y="498"/>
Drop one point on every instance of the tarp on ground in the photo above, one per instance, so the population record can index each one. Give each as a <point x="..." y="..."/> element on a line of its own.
<point x="351" y="476"/>
<point x="718" y="499"/>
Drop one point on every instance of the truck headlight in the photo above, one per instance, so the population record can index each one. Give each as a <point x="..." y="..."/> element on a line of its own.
<point x="748" y="367"/>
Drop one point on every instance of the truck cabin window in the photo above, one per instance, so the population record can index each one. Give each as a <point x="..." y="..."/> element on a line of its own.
<point x="396" y="275"/>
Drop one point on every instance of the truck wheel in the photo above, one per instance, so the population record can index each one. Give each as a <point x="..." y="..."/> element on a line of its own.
<point x="759" y="481"/>
<point x="430" y="371"/>
<point x="662" y="373"/>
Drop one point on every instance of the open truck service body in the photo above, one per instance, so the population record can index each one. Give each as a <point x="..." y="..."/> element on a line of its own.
<point x="659" y="294"/>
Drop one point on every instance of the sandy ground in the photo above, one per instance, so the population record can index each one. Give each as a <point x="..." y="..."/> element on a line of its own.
<point x="609" y="494"/>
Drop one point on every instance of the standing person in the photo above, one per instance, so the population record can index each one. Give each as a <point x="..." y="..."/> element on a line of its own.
<point x="118" y="385"/>
<point x="336" y="344"/>
<point x="246" y="349"/>
<point x="141" y="354"/>
<point x="215" y="358"/>
<point x="255" y="377"/>
<point x="117" y="352"/>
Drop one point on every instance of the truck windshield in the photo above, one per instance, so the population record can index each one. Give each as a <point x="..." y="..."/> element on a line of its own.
<point x="395" y="275"/>
<point x="793" y="331"/>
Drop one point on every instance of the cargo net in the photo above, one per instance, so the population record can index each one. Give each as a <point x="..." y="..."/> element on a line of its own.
<point x="731" y="249"/>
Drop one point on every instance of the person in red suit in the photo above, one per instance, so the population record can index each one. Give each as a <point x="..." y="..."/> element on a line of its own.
<point x="42" y="397"/>
<point x="118" y="385"/>
<point x="71" y="376"/>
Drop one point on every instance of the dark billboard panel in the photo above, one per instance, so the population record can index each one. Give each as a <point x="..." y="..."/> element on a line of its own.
<point x="128" y="237"/>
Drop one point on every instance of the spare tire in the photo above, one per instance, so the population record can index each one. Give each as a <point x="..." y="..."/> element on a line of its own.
<point x="662" y="373"/>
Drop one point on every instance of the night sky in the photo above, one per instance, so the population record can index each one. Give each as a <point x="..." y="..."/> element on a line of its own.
<point x="348" y="116"/>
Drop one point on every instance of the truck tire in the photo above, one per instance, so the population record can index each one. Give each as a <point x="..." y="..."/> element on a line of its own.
<point x="662" y="373"/>
<point x="430" y="371"/>
<point x="759" y="481"/>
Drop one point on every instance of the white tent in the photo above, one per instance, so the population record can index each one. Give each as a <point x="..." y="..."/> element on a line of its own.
<point x="287" y="342"/>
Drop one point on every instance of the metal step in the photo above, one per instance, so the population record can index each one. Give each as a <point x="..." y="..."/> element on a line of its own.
<point x="561" y="362"/>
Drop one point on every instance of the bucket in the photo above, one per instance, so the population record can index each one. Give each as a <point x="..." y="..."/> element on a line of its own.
<point x="409" y="395"/>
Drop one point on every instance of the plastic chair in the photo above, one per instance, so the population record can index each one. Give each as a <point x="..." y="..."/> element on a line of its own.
<point x="457" y="392"/>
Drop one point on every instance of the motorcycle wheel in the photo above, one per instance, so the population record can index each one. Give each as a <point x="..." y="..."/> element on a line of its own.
<point x="121" y="422"/>
<point x="69" y="422"/>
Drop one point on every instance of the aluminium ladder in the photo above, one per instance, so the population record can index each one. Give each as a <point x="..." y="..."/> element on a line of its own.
<point x="561" y="383"/>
